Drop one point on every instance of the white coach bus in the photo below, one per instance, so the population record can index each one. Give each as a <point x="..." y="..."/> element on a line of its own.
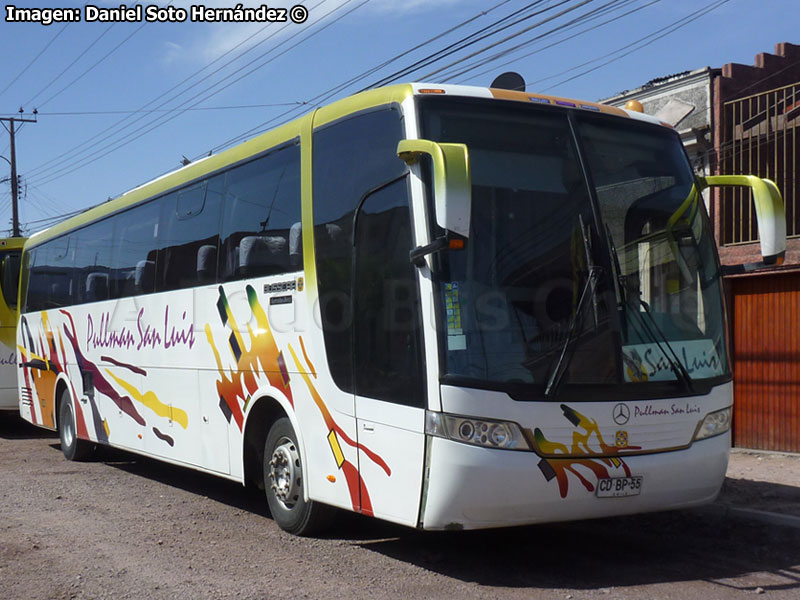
<point x="443" y="306"/>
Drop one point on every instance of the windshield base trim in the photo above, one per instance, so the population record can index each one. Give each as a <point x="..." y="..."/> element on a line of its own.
<point x="572" y="392"/>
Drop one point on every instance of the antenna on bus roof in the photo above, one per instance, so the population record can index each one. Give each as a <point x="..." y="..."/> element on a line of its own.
<point x="509" y="81"/>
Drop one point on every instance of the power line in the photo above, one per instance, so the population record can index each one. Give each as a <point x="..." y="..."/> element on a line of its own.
<point x="375" y="69"/>
<point x="322" y="97"/>
<point x="55" y="219"/>
<point x="643" y="42"/>
<point x="566" y="39"/>
<point x="80" y="163"/>
<point x="155" y="124"/>
<point x="68" y="67"/>
<point x="111" y="127"/>
<point x="87" y="143"/>
<point x="106" y="56"/>
<point x="436" y="37"/>
<point x="593" y="15"/>
<point x="464" y="42"/>
<point x="296" y="105"/>
<point x="47" y="203"/>
<point x="91" y="68"/>
<point x="440" y="54"/>
<point x="517" y="34"/>
<point x="35" y="58"/>
<point x="162" y="110"/>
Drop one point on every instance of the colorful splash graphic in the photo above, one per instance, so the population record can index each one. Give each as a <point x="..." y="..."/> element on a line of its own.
<point x="43" y="368"/>
<point x="263" y="357"/>
<point x="237" y="386"/>
<point x="589" y="452"/>
<point x="355" y="483"/>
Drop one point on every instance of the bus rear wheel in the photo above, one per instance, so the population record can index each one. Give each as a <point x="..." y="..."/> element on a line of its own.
<point x="72" y="447"/>
<point x="284" y="484"/>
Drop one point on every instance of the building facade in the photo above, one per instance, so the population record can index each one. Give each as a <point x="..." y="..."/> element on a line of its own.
<point x="745" y="119"/>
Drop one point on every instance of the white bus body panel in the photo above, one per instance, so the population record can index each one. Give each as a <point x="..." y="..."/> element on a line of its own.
<point x="474" y="487"/>
<point x="177" y="374"/>
<point x="9" y="400"/>
<point x="396" y="439"/>
<point x="470" y="487"/>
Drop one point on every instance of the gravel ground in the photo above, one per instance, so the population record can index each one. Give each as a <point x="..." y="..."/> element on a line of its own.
<point x="768" y="481"/>
<point x="122" y="526"/>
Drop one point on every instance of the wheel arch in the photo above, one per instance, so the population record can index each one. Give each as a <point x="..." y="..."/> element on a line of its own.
<point x="264" y="411"/>
<point x="62" y="384"/>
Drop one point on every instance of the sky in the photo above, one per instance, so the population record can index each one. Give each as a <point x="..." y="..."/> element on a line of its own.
<point x="122" y="103"/>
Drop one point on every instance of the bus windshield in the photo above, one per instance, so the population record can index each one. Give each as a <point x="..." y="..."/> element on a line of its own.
<point x="590" y="260"/>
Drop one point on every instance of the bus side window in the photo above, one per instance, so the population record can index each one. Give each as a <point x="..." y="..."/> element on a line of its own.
<point x="352" y="157"/>
<point x="33" y="285"/>
<point x="93" y="261"/>
<point x="135" y="250"/>
<point x="190" y="222"/>
<point x="262" y="205"/>
<point x="51" y="278"/>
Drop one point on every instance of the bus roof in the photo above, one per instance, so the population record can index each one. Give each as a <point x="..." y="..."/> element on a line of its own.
<point x="292" y="130"/>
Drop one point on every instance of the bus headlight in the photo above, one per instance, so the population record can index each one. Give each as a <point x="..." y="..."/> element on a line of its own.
<point x="715" y="423"/>
<point x="504" y="435"/>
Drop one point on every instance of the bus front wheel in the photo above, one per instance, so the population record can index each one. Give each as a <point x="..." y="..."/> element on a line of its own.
<point x="72" y="447"/>
<point x="284" y="484"/>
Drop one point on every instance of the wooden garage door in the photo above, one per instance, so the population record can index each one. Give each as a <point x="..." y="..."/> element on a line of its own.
<point x="766" y="353"/>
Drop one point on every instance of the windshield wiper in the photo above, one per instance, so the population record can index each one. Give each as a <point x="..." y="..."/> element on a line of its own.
<point x="561" y="364"/>
<point x="675" y="365"/>
<point x="592" y="277"/>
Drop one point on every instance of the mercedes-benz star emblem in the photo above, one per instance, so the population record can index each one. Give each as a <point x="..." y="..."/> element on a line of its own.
<point x="621" y="414"/>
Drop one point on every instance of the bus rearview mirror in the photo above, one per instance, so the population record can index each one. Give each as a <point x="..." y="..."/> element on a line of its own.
<point x="770" y="211"/>
<point x="452" y="181"/>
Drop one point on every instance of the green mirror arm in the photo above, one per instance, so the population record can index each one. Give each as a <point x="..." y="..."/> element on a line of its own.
<point x="410" y="150"/>
<point x="770" y="211"/>
<point x="452" y="182"/>
<point x="688" y="208"/>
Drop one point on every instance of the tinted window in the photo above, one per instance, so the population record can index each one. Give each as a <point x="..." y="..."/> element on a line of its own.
<point x="387" y="334"/>
<point x="174" y="241"/>
<point x="136" y="248"/>
<point x="351" y="158"/>
<point x="93" y="254"/>
<point x="261" y="225"/>
<point x="190" y="235"/>
<point x="52" y="278"/>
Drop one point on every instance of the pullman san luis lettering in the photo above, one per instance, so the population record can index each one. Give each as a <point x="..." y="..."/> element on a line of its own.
<point x="144" y="335"/>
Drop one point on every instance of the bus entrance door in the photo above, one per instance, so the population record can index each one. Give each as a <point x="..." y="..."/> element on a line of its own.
<point x="387" y="358"/>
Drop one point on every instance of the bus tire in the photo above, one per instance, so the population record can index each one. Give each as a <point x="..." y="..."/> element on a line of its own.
<point x="72" y="447"/>
<point x="284" y="484"/>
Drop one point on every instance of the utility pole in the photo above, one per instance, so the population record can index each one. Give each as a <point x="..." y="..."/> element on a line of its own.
<point x="14" y="183"/>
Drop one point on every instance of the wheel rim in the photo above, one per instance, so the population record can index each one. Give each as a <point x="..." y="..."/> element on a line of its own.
<point x="285" y="473"/>
<point x="68" y="426"/>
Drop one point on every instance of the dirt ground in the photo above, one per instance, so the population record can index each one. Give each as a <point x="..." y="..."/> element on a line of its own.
<point x="122" y="526"/>
<point x="763" y="481"/>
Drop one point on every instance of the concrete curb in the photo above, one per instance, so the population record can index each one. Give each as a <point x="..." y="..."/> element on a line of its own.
<point x="733" y="512"/>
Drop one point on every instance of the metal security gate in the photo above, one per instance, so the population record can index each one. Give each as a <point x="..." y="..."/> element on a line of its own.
<point x="766" y="361"/>
<point x="761" y="136"/>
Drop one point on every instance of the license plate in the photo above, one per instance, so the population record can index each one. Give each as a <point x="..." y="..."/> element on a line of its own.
<point x="619" y="487"/>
